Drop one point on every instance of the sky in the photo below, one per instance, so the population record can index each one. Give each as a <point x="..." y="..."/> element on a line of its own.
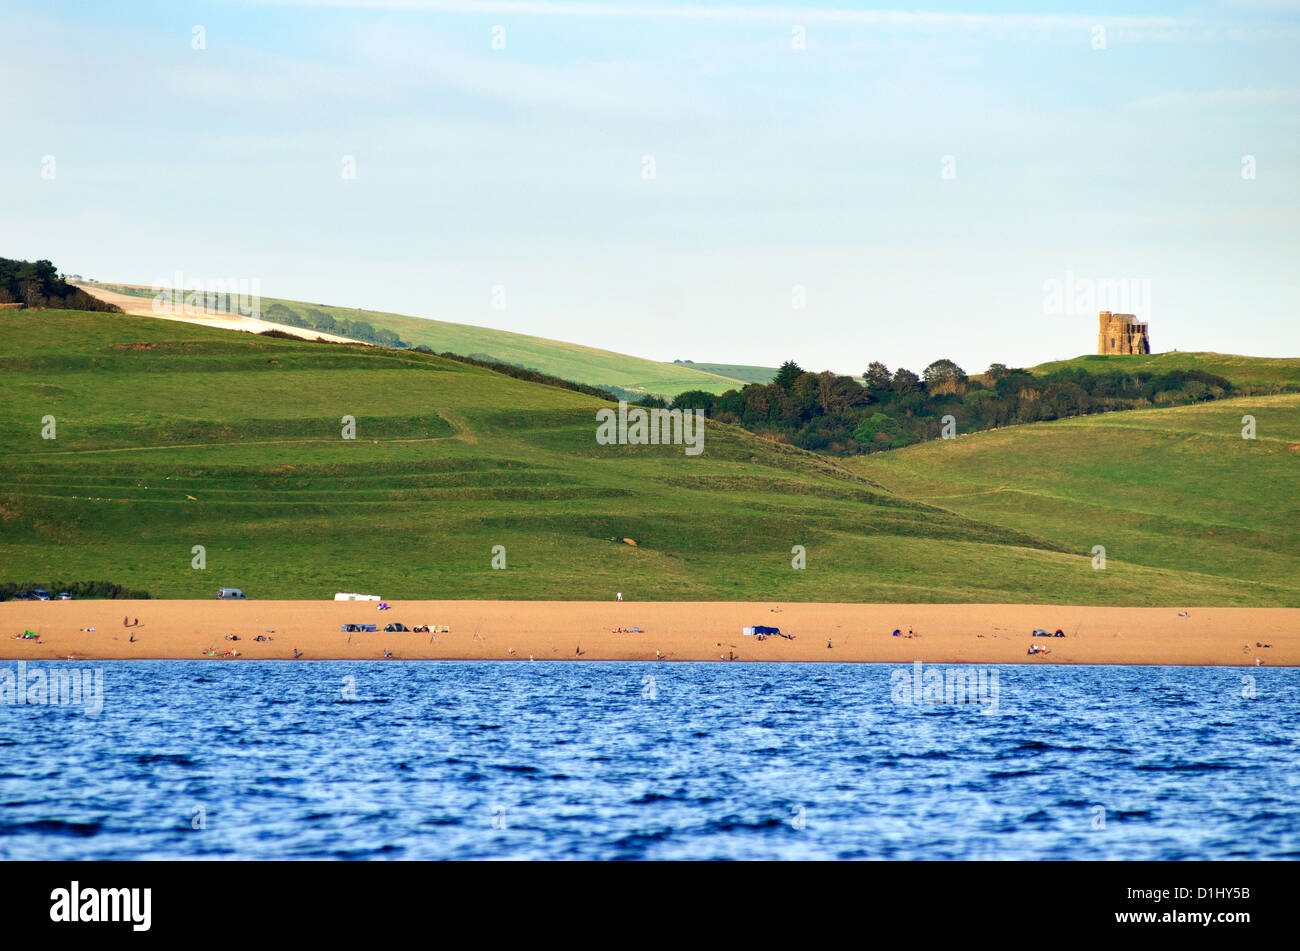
<point x="726" y="182"/>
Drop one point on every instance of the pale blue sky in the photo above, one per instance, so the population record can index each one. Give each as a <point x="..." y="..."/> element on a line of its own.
<point x="774" y="167"/>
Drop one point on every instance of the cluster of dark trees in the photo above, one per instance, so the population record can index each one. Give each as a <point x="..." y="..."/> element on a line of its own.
<point x="38" y="284"/>
<point x="78" y="589"/>
<point x="843" y="415"/>
<point x="315" y="319"/>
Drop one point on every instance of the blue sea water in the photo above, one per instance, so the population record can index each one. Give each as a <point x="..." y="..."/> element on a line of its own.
<point x="576" y="760"/>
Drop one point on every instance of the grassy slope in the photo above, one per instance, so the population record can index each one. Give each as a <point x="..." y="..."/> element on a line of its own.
<point x="568" y="361"/>
<point x="1241" y="370"/>
<point x="450" y="461"/>
<point x="1174" y="490"/>
<point x="737" y="371"/>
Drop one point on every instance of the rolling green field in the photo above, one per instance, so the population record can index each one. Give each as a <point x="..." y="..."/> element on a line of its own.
<point x="568" y="361"/>
<point x="171" y="435"/>
<point x="1175" y="490"/>
<point x="1245" y="372"/>
<point x="743" y="372"/>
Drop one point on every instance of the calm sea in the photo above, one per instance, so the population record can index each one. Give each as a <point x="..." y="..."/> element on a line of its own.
<point x="576" y="760"/>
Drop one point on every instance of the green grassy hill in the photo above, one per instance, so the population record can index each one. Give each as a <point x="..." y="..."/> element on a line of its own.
<point x="1176" y="491"/>
<point x="568" y="361"/>
<point x="1243" y="371"/>
<point x="172" y="435"/>
<point x="736" y="371"/>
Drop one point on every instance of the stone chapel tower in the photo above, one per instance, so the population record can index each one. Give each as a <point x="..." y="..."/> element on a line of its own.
<point x="1121" y="333"/>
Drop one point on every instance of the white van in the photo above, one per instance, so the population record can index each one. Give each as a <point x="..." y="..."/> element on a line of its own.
<point x="230" y="594"/>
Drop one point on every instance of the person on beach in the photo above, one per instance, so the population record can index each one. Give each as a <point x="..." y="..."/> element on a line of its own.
<point x="619" y="596"/>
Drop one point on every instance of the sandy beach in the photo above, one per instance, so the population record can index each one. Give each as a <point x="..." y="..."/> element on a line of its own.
<point x="672" y="631"/>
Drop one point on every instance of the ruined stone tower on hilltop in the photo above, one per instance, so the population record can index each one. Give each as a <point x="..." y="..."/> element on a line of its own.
<point x="1121" y="333"/>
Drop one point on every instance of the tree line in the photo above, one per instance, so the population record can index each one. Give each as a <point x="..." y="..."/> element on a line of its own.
<point x="38" y="284"/>
<point x="316" y="319"/>
<point x="844" y="415"/>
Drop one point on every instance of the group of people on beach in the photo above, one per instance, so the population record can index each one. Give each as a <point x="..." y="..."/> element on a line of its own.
<point x="233" y="652"/>
<point x="899" y="633"/>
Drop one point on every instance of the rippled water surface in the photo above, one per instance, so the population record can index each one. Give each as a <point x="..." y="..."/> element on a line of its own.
<point x="659" y="761"/>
